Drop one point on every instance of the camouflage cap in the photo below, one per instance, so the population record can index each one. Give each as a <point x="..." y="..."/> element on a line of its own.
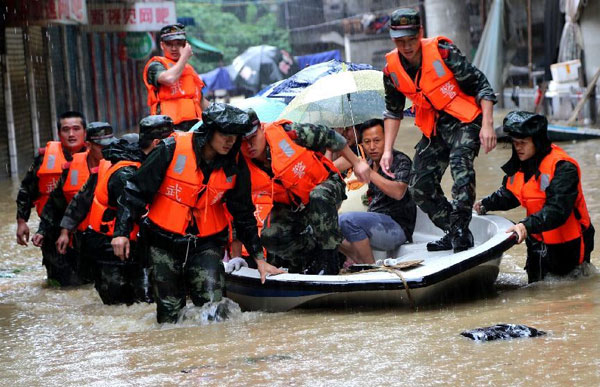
<point x="521" y="124"/>
<point x="226" y="119"/>
<point x="100" y="133"/>
<point x="157" y="126"/>
<point x="404" y="22"/>
<point x="172" y="32"/>
<point x="255" y="123"/>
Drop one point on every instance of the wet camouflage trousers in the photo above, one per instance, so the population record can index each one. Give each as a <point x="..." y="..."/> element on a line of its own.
<point x="191" y="267"/>
<point x="117" y="282"/>
<point x="293" y="235"/>
<point x="455" y="146"/>
<point x="69" y="269"/>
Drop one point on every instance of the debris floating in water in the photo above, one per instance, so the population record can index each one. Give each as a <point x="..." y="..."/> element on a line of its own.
<point x="502" y="332"/>
<point x="211" y="312"/>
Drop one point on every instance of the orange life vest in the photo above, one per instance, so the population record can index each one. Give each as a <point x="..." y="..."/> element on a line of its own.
<point x="532" y="196"/>
<point x="102" y="215"/>
<point x="78" y="174"/>
<point x="183" y="196"/>
<point x="182" y="100"/>
<point x="296" y="170"/>
<point x="437" y="88"/>
<point x="49" y="173"/>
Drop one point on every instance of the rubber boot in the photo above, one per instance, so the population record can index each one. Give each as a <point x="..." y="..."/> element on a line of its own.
<point x="444" y="243"/>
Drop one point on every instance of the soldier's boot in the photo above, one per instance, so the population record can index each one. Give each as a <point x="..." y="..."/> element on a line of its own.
<point x="444" y="243"/>
<point x="327" y="262"/>
<point x="462" y="239"/>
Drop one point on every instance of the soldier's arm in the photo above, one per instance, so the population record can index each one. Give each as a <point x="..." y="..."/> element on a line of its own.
<point x="155" y="69"/>
<point x="317" y="138"/>
<point x="394" y="100"/>
<point x="79" y="207"/>
<point x="142" y="186"/>
<point x="55" y="207"/>
<point x="172" y="75"/>
<point x="501" y="200"/>
<point x="470" y="79"/>
<point x="240" y="205"/>
<point x="29" y="190"/>
<point x="117" y="182"/>
<point x="561" y="194"/>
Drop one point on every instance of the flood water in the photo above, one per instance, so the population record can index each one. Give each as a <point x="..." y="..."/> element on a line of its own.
<point x="68" y="337"/>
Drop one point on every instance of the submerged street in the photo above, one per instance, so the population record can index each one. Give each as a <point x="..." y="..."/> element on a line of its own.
<point x="68" y="337"/>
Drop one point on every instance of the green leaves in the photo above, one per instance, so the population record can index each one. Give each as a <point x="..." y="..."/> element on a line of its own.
<point x="231" y="32"/>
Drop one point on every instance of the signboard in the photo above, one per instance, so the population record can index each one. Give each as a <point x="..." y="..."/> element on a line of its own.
<point x="139" y="17"/>
<point x="42" y="12"/>
<point x="139" y="45"/>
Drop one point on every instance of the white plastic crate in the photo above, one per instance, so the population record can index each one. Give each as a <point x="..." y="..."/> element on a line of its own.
<point x="565" y="71"/>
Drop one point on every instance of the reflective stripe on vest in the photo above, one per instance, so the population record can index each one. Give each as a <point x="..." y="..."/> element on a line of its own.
<point x="437" y="89"/>
<point x="182" y="100"/>
<point x="102" y="215"/>
<point x="49" y="173"/>
<point x="532" y="196"/>
<point x="183" y="197"/>
<point x="78" y="174"/>
<point x="296" y="168"/>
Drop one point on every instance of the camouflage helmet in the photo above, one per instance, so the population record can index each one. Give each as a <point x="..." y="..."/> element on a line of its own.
<point x="521" y="124"/>
<point x="100" y="133"/>
<point x="404" y="22"/>
<point x="156" y="126"/>
<point x="255" y="122"/>
<point x="227" y="119"/>
<point x="172" y="32"/>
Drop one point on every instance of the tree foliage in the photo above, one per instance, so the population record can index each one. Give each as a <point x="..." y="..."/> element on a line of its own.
<point x="232" y="29"/>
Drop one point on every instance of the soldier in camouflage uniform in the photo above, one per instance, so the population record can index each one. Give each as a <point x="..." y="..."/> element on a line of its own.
<point x="117" y="281"/>
<point x="61" y="270"/>
<point x="451" y="136"/>
<point x="98" y="135"/>
<point x="306" y="235"/>
<point x="190" y="260"/>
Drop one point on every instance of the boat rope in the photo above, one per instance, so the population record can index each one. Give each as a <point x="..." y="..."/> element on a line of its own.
<point x="397" y="271"/>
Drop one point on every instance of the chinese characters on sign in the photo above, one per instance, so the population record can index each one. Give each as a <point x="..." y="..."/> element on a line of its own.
<point x="131" y="17"/>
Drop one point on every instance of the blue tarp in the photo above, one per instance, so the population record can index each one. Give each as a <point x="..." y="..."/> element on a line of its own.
<point x="217" y="79"/>
<point x="311" y="59"/>
<point x="287" y="89"/>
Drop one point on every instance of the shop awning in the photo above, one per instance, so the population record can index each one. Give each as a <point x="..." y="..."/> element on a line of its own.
<point x="204" y="50"/>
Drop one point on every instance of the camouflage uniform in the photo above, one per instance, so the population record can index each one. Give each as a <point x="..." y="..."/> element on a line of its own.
<point x="455" y="144"/>
<point x="117" y="282"/>
<point x="61" y="269"/>
<point x="76" y="268"/>
<point x="301" y="235"/>
<point x="186" y="263"/>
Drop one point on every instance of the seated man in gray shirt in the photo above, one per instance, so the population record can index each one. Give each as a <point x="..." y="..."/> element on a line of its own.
<point x="390" y="219"/>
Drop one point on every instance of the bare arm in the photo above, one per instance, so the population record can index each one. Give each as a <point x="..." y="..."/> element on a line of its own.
<point x="361" y="168"/>
<point x="170" y="76"/>
<point x="390" y="131"/>
<point x="393" y="189"/>
<point x="342" y="164"/>
<point x="487" y="135"/>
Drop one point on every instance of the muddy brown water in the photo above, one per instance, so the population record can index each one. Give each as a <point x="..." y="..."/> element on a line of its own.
<point x="67" y="337"/>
